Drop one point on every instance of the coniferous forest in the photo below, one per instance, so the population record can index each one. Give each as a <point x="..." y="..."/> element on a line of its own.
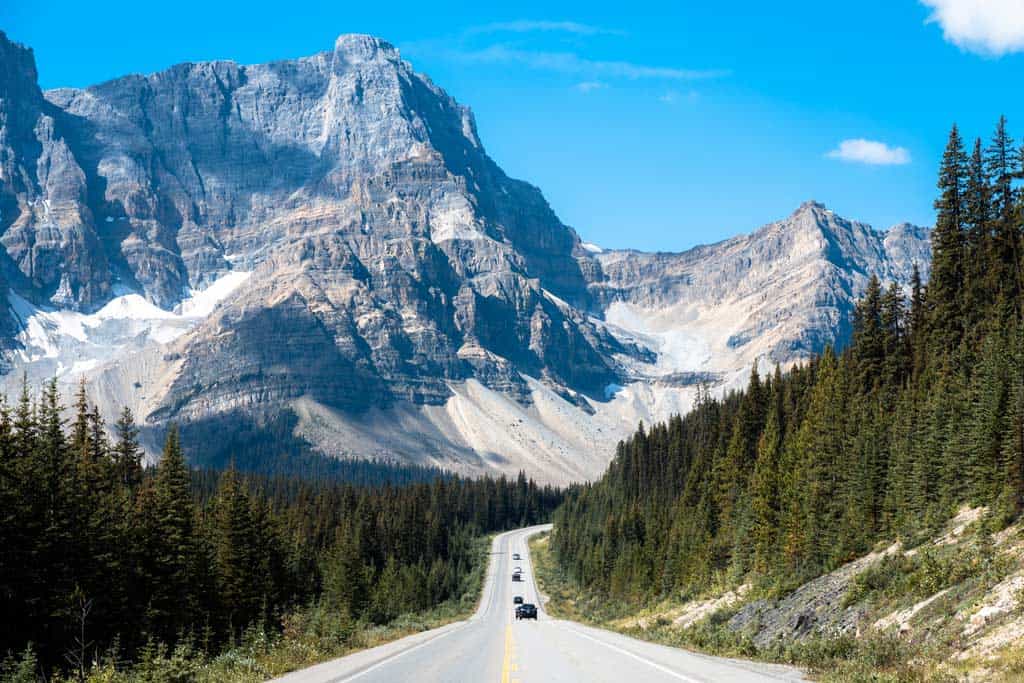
<point x="103" y="559"/>
<point x="804" y="470"/>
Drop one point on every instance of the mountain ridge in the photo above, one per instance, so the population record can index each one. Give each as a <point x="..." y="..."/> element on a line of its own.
<point x="369" y="263"/>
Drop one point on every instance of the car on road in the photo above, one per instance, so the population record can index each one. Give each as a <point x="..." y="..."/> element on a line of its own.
<point x="517" y="570"/>
<point x="518" y="600"/>
<point x="516" y="576"/>
<point x="515" y="556"/>
<point x="526" y="611"/>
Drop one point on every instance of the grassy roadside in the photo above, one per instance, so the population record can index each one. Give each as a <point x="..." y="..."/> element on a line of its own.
<point x="933" y="595"/>
<point x="839" y="660"/>
<point x="309" y="636"/>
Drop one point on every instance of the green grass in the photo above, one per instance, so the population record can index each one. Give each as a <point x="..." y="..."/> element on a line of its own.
<point x="875" y="658"/>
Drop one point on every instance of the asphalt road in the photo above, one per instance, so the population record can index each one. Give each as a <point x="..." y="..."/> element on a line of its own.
<point x="493" y="646"/>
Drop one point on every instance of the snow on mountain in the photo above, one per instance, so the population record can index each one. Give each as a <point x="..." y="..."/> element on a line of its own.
<point x="777" y="295"/>
<point x="53" y="342"/>
<point x="327" y="235"/>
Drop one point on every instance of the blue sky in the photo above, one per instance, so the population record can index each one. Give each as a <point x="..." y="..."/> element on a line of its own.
<point x="650" y="125"/>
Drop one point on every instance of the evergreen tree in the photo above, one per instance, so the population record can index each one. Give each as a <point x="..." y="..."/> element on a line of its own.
<point x="945" y="290"/>
<point x="127" y="453"/>
<point x="171" y="544"/>
<point x="1001" y="163"/>
<point x="764" y="490"/>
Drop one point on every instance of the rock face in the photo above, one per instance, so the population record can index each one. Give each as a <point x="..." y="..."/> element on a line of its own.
<point x="779" y="294"/>
<point x="50" y="243"/>
<point x="389" y="252"/>
<point x="372" y="264"/>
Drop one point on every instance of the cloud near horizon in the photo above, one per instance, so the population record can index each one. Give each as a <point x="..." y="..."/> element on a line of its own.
<point x="987" y="27"/>
<point x="872" y="152"/>
<point x="572" y="63"/>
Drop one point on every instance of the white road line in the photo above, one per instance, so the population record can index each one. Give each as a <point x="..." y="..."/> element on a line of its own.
<point x="388" y="660"/>
<point x="638" y="658"/>
<point x="492" y="600"/>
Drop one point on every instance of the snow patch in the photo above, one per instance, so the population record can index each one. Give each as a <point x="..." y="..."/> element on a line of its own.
<point x="74" y="342"/>
<point x="592" y="248"/>
<point x="201" y="303"/>
<point x="679" y="348"/>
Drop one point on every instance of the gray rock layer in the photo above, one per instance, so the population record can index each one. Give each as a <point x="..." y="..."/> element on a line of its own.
<point x="390" y="256"/>
<point x="385" y="244"/>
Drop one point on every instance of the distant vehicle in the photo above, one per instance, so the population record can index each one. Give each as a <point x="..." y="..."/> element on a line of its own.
<point x="515" y="556"/>
<point x="518" y="600"/>
<point x="517" y="570"/>
<point x="526" y="611"/>
<point x="516" y="576"/>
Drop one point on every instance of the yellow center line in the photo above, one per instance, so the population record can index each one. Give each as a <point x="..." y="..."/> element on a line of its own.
<point x="506" y="667"/>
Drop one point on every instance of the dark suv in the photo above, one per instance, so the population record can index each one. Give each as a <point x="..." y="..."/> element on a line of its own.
<point x="526" y="611"/>
<point x="518" y="600"/>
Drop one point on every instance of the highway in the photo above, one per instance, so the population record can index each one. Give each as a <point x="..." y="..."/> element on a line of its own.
<point x="493" y="646"/>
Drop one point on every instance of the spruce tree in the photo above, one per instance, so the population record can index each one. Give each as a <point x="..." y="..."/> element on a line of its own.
<point x="1001" y="163"/>
<point x="127" y="453"/>
<point x="945" y="288"/>
<point x="764" y="494"/>
<point x="977" y="238"/>
<point x="172" y="543"/>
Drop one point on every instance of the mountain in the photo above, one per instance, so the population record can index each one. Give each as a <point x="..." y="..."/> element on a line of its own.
<point x="778" y="294"/>
<point x="327" y="236"/>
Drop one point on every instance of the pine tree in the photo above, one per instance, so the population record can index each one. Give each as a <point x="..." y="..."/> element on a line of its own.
<point x="895" y="342"/>
<point x="1001" y="162"/>
<point x="868" y="334"/>
<point x="917" y="323"/>
<point x="984" y="433"/>
<point x="171" y="544"/>
<point x="977" y="237"/>
<point x="234" y="545"/>
<point x="1012" y="456"/>
<point x="945" y="289"/>
<point x="127" y="453"/>
<point x="764" y="495"/>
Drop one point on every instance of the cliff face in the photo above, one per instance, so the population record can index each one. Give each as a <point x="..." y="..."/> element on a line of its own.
<point x="389" y="253"/>
<point x="779" y="294"/>
<point x="327" y="235"/>
<point x="48" y="233"/>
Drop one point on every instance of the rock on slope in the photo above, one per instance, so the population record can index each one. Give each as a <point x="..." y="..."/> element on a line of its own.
<point x="781" y="293"/>
<point x="373" y="268"/>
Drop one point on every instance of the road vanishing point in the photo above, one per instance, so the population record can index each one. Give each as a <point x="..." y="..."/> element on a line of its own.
<point x="491" y="646"/>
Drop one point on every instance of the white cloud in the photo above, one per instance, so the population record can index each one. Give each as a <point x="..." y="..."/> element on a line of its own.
<point x="989" y="27"/>
<point x="589" y="86"/>
<point x="571" y="63"/>
<point x="861" y="151"/>
<point x="673" y="96"/>
<point x="531" y="26"/>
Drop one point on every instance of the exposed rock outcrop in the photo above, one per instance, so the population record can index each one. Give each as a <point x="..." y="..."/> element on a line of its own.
<point x="378" y="260"/>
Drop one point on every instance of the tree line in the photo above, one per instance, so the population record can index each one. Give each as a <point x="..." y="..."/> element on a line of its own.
<point x="922" y="412"/>
<point x="103" y="557"/>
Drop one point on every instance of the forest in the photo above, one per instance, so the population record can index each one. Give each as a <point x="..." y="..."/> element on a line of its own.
<point x="104" y="559"/>
<point x="921" y="412"/>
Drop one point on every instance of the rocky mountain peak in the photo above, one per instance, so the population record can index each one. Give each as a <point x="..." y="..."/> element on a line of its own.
<point x="359" y="47"/>
<point x="810" y="205"/>
<point x="17" y="64"/>
<point x="326" y="235"/>
<point x="815" y="215"/>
